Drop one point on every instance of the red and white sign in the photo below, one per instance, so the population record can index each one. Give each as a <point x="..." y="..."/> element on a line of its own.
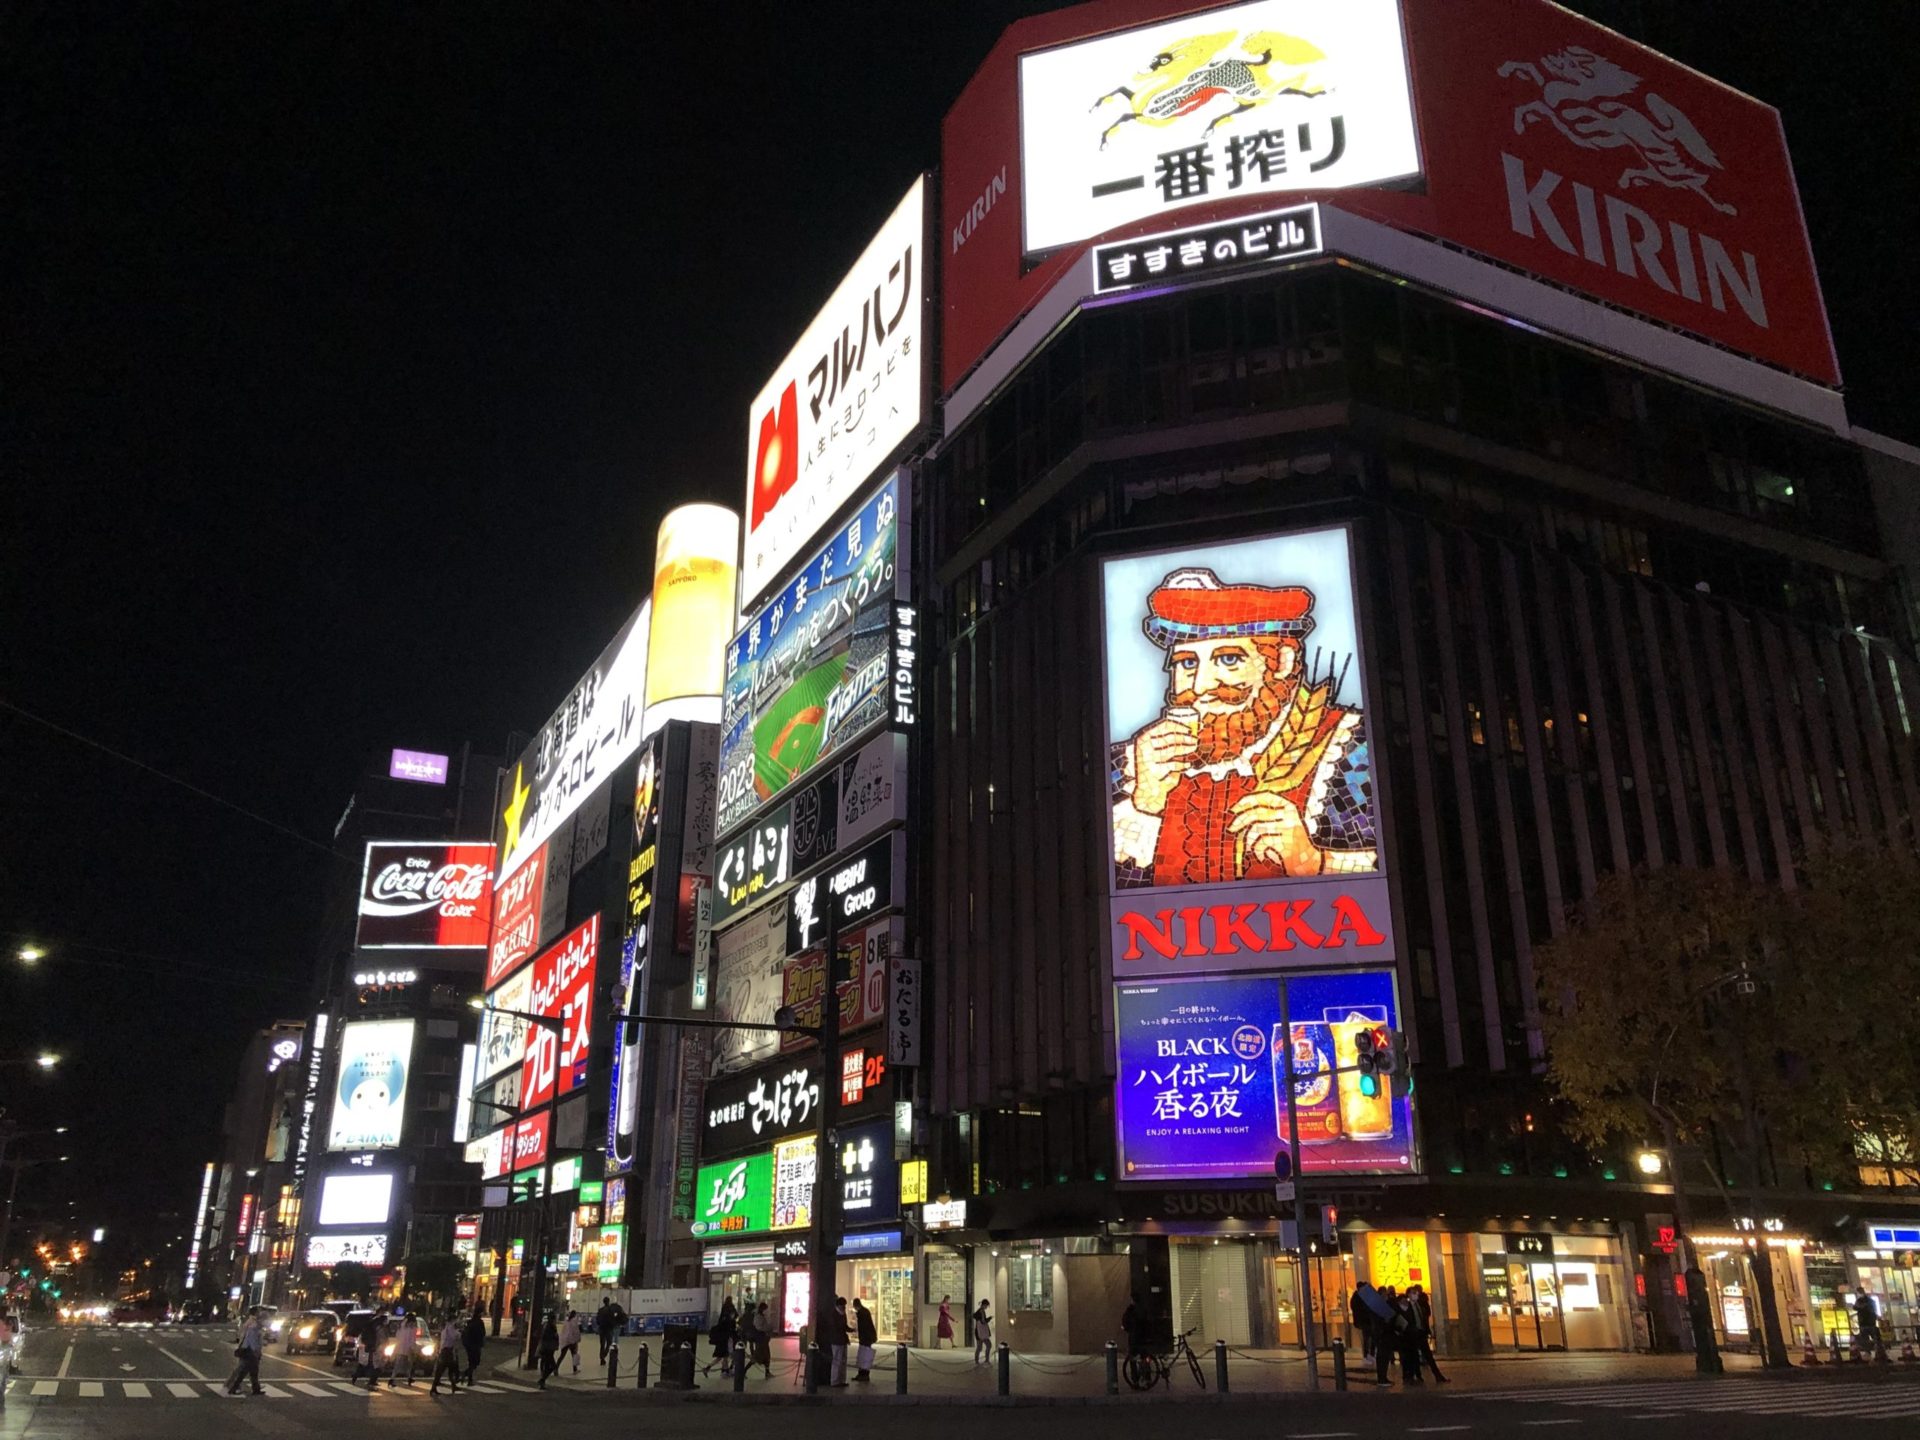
<point x="1548" y="143"/>
<point x="556" y="1064"/>
<point x="529" y="1140"/>
<point x="425" y="894"/>
<point x="516" y="932"/>
<point x="1250" y="927"/>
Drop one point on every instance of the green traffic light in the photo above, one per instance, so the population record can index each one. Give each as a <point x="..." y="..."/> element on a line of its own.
<point x="1369" y="1086"/>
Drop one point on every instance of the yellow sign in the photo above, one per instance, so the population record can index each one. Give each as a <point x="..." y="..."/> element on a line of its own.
<point x="1398" y="1258"/>
<point x="913" y="1182"/>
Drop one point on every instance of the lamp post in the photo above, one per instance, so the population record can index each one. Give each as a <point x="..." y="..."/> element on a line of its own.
<point x="556" y="1028"/>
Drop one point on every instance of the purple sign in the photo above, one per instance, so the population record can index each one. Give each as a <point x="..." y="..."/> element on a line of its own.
<point x="418" y="765"/>
<point x="1198" y="1094"/>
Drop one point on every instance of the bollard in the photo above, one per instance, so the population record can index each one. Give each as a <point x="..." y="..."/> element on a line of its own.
<point x="1113" y="1368"/>
<point x="812" y="1358"/>
<point x="1339" y="1348"/>
<point x="739" y="1366"/>
<point x="640" y="1368"/>
<point x="1006" y="1369"/>
<point x="1220" y="1365"/>
<point x="899" y="1369"/>
<point x="613" y="1364"/>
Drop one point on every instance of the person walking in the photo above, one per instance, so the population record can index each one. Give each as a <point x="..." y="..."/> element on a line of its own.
<point x="1423" y="1328"/>
<point x="763" y="1339"/>
<point x="446" y="1358"/>
<point x="1866" y="1319"/>
<point x="367" y="1361"/>
<point x="549" y="1350"/>
<point x="473" y="1340"/>
<point x="570" y="1339"/>
<point x="721" y="1336"/>
<point x="943" y="1327"/>
<point x="1132" y="1321"/>
<point x="246" y="1353"/>
<point x="404" y="1341"/>
<point x="1408" y="1343"/>
<point x="867" y="1335"/>
<point x="982" y="1335"/>
<point x="1380" y="1325"/>
<point x="747" y="1340"/>
<point x="834" y="1331"/>
<point x="603" y="1325"/>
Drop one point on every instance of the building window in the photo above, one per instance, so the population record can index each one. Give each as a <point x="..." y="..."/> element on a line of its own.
<point x="1030" y="1277"/>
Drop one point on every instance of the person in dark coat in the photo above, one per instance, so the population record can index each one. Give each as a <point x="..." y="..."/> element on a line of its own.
<point x="549" y="1349"/>
<point x="1406" y="1334"/>
<point x="1381" y="1316"/>
<point x="1362" y="1320"/>
<point x="866" y="1333"/>
<point x="722" y="1335"/>
<point x="1423" y="1328"/>
<point x="473" y="1340"/>
<point x="833" y="1333"/>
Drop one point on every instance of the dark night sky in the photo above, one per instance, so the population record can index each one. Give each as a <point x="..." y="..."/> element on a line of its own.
<point x="349" y="356"/>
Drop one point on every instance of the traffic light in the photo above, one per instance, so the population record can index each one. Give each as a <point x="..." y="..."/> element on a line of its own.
<point x="1330" y="1224"/>
<point x="1367" y="1055"/>
<point x="1397" y="1067"/>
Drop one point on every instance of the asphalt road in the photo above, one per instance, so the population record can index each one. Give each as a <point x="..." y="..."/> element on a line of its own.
<point x="165" y="1384"/>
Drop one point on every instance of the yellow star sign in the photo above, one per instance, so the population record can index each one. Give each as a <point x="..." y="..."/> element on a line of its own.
<point x="516" y="808"/>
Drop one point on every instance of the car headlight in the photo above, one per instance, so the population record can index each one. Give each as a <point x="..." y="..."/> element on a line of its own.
<point x="306" y="1332"/>
<point x="388" y="1352"/>
<point x="427" y="1351"/>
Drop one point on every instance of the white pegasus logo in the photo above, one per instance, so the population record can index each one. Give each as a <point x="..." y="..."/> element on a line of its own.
<point x="1584" y="102"/>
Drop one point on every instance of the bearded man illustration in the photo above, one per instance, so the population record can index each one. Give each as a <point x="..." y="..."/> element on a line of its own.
<point x="1252" y="770"/>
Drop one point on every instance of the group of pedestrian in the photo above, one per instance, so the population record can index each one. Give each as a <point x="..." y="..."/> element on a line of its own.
<point x="1392" y="1323"/>
<point x="451" y="1339"/>
<point x="561" y="1336"/>
<point x="741" y="1334"/>
<point x="837" y="1331"/>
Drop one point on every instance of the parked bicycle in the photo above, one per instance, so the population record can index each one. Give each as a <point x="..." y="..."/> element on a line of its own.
<point x="1144" y="1370"/>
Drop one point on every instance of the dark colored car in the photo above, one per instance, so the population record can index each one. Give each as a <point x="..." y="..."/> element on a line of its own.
<point x="352" y="1325"/>
<point x="313" y="1331"/>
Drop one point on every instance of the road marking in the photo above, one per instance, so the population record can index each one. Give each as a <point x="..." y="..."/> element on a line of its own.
<point x="135" y="1390"/>
<point x="273" y="1392"/>
<point x="1553" y="1422"/>
<point x="307" y="1387"/>
<point x="343" y="1385"/>
<point x="125" y="1366"/>
<point x="91" y="1390"/>
<point x="1321" y="1435"/>
<point x="65" y="1361"/>
<point x="1435" y="1429"/>
<point x="303" y="1365"/>
<point x="197" y="1374"/>
<point x="46" y="1387"/>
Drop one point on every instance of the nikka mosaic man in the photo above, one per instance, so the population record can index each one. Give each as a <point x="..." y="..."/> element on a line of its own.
<point x="1239" y="740"/>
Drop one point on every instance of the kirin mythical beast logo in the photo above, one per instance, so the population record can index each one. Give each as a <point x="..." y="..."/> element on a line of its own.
<point x="1192" y="74"/>
<point x="1585" y="103"/>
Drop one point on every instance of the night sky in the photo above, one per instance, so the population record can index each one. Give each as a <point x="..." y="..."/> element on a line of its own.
<point x="349" y="357"/>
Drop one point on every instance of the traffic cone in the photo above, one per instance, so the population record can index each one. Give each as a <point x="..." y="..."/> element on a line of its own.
<point x="1906" y="1351"/>
<point x="1812" y="1355"/>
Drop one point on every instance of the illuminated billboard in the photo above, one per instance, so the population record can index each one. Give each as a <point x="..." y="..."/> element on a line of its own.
<point x="561" y="989"/>
<point x="503" y="1038"/>
<point x="354" y="1199"/>
<point x="425" y="894"/>
<point x="1198" y="1093"/>
<point x="811" y="672"/>
<point x="1274" y="96"/>
<point x="1244" y="818"/>
<point x="326" y="1251"/>
<point x="516" y="917"/>
<point x="694" y="576"/>
<point x="842" y="403"/>
<point x="420" y="766"/>
<point x="734" y="1198"/>
<point x="596" y="727"/>
<point x="370" y="1093"/>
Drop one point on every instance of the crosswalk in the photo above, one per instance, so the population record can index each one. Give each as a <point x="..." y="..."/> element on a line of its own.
<point x="1826" y="1400"/>
<point x="26" y="1388"/>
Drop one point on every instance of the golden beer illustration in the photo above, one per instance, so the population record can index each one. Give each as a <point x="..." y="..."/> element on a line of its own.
<point x="1362" y="1116"/>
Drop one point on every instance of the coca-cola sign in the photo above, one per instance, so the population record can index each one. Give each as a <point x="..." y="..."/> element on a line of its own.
<point x="425" y="894"/>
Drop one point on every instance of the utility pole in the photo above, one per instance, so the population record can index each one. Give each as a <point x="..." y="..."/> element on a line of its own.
<point x="822" y="1242"/>
<point x="1300" y="1206"/>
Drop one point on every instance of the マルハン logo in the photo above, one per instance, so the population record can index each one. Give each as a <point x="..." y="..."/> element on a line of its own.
<point x="776" y="461"/>
<point x="1586" y="101"/>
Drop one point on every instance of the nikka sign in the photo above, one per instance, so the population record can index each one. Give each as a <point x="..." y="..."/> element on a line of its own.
<point x="1251" y="927"/>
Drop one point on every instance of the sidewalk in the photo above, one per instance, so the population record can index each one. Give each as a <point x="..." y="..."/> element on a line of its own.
<point x="951" y="1377"/>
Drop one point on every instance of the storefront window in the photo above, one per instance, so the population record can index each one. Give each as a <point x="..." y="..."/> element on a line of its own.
<point x="886" y="1288"/>
<point x="1554" y="1292"/>
<point x="1030" y="1278"/>
<point x="1333" y="1277"/>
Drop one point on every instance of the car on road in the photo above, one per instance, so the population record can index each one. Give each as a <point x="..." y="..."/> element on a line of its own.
<point x="352" y="1325"/>
<point x="313" y="1331"/>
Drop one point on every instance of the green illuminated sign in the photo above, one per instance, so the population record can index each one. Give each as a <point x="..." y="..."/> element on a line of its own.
<point x="734" y="1198"/>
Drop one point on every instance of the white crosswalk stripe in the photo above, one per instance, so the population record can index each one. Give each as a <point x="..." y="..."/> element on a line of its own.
<point x="135" y="1390"/>
<point x="91" y="1389"/>
<point x="306" y="1388"/>
<point x="181" y="1390"/>
<point x="1828" y="1400"/>
<point x="280" y="1388"/>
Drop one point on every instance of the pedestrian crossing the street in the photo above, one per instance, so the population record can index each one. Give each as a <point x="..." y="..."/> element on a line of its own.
<point x="24" y="1388"/>
<point x="1826" y="1400"/>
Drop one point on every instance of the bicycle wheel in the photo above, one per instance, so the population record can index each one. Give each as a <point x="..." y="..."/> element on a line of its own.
<point x="1193" y="1364"/>
<point x="1140" y="1372"/>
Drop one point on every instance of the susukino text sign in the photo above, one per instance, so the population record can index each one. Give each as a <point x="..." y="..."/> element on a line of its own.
<point x="842" y="402"/>
<point x="1274" y="96"/>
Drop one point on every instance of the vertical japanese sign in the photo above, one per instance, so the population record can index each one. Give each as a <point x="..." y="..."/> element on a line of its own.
<point x="562" y="989"/>
<point x="516" y="917"/>
<point x="842" y="403"/>
<point x="1134" y="124"/>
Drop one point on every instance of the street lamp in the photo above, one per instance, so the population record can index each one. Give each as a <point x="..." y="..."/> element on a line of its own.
<point x="1650" y="1162"/>
<point x="31" y="954"/>
<point x="46" y="1060"/>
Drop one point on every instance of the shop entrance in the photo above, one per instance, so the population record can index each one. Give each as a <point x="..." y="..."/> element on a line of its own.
<point x="1333" y="1277"/>
<point x="886" y="1288"/>
<point x="1523" y="1303"/>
